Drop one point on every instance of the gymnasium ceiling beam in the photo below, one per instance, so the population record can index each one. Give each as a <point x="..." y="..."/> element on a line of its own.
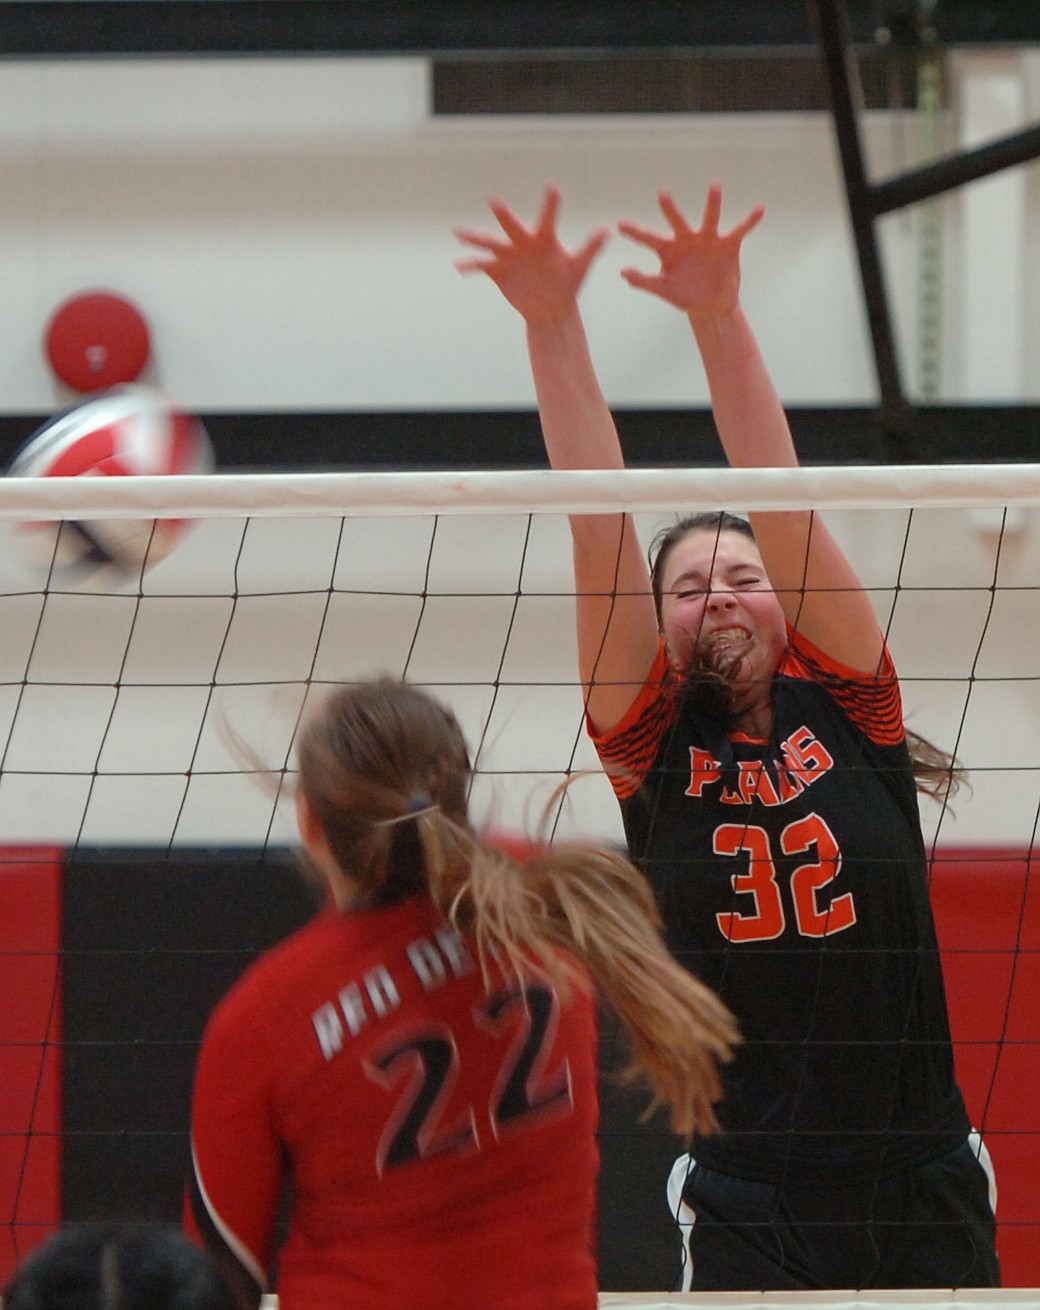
<point x="162" y="27"/>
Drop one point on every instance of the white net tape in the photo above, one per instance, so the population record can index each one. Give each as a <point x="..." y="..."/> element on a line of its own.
<point x="976" y="1299"/>
<point x="1028" y="1299"/>
<point x="541" y="491"/>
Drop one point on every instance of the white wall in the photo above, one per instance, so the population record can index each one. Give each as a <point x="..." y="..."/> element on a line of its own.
<point x="286" y="227"/>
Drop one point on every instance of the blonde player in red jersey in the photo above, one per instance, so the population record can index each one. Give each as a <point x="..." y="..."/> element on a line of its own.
<point x="418" y="1066"/>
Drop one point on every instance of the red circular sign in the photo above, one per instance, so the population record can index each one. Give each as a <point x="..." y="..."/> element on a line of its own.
<point x="97" y="340"/>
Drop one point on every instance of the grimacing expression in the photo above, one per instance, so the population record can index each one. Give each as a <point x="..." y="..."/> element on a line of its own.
<point x="715" y="588"/>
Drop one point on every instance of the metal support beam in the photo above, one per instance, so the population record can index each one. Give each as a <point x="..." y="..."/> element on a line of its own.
<point x="868" y="201"/>
<point x="830" y="22"/>
<point x="954" y="171"/>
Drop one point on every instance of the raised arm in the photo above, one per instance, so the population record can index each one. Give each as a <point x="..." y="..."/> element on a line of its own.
<point x="700" y="274"/>
<point x="541" y="279"/>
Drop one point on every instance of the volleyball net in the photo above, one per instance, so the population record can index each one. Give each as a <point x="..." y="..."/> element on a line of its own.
<point x="123" y="800"/>
<point x="462" y="582"/>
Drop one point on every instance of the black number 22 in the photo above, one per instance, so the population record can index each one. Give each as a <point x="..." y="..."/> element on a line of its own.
<point x="428" y="1060"/>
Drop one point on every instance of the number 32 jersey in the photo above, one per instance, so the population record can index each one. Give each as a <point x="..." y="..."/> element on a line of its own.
<point x="792" y="878"/>
<point x="437" y="1133"/>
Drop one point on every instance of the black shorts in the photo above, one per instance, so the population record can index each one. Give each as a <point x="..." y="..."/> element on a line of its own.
<point x="929" y="1226"/>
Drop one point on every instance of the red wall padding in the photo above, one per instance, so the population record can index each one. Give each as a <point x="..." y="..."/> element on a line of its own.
<point x="987" y="910"/>
<point x="30" y="1050"/>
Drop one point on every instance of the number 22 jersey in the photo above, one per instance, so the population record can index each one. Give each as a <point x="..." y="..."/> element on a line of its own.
<point x="437" y="1133"/>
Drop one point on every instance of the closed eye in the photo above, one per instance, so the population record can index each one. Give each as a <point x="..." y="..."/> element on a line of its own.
<point x="752" y="580"/>
<point x="686" y="593"/>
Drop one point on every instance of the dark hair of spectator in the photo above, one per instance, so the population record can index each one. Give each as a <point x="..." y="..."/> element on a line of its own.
<point x="117" y="1266"/>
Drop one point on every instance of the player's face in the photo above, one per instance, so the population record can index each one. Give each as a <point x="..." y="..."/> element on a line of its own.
<point x="715" y="590"/>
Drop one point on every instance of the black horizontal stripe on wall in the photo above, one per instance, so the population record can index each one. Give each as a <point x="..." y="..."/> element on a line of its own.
<point x="500" y="439"/>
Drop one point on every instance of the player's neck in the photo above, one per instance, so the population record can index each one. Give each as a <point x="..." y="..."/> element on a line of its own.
<point x="754" y="715"/>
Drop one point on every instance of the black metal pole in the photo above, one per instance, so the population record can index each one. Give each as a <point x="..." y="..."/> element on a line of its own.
<point x="945" y="174"/>
<point x="831" y="26"/>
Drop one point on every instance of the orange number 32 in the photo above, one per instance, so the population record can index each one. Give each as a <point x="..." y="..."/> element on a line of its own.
<point x="767" y="919"/>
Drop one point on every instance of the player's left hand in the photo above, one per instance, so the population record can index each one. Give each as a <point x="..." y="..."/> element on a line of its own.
<point x="700" y="267"/>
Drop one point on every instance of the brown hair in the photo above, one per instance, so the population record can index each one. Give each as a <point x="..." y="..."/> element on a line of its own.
<point x="936" y="773"/>
<point x="385" y="769"/>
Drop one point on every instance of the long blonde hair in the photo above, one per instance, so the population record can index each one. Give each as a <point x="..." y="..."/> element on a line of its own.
<point x="385" y="770"/>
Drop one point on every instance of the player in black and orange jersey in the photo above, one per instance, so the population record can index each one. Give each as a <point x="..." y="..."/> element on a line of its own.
<point x="419" y="1063"/>
<point x="744" y="703"/>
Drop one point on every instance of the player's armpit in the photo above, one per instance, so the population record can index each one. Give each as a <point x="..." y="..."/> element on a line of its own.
<point x="235" y="1273"/>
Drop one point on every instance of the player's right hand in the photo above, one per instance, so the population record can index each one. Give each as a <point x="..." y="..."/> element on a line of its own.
<point x="530" y="266"/>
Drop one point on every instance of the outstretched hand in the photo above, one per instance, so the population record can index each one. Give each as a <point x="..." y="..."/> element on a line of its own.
<point x="700" y="267"/>
<point x="530" y="266"/>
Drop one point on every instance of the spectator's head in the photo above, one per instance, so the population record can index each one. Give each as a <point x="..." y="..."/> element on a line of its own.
<point x="116" y="1266"/>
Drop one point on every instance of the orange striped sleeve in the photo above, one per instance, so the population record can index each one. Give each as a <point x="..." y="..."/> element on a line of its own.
<point x="628" y="750"/>
<point x="871" y="700"/>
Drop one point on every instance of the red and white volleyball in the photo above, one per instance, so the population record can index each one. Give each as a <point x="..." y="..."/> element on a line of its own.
<point x="125" y="431"/>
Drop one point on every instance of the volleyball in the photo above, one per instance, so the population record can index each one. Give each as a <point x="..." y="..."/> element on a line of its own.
<point x="128" y="430"/>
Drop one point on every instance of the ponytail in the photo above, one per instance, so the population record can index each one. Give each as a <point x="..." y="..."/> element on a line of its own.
<point x="936" y="773"/>
<point x="573" y="906"/>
